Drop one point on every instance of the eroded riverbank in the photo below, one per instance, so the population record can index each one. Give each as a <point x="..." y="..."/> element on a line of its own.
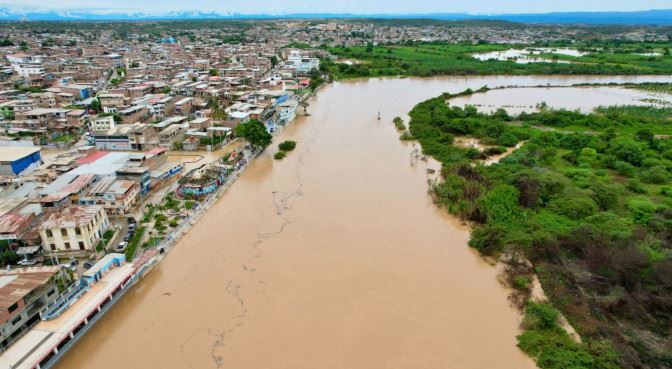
<point x="334" y="257"/>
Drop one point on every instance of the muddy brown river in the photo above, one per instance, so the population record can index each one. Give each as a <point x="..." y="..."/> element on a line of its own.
<point x="334" y="257"/>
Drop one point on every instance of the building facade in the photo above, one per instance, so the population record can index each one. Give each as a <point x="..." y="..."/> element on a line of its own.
<point x="74" y="229"/>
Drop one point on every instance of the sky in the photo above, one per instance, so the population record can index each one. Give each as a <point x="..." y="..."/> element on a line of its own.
<point x="341" y="6"/>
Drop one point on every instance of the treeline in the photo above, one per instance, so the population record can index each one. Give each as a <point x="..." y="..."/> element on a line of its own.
<point x="431" y="59"/>
<point x="592" y="212"/>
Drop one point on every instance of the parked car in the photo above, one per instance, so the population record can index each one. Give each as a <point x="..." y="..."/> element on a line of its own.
<point x="72" y="266"/>
<point x="27" y="262"/>
<point x="89" y="264"/>
<point x="131" y="227"/>
<point x="131" y="220"/>
<point x="121" y="247"/>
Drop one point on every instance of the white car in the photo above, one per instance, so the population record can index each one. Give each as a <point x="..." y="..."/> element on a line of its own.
<point x="121" y="246"/>
<point x="27" y="262"/>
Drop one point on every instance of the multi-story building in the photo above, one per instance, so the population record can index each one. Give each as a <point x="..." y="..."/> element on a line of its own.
<point x="118" y="196"/>
<point x="23" y="295"/>
<point x="74" y="229"/>
<point x="102" y="123"/>
<point x="113" y="100"/>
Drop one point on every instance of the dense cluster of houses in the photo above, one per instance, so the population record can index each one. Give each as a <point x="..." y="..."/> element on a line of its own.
<point x="86" y="124"/>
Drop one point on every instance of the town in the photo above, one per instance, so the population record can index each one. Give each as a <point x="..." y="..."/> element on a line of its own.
<point x="108" y="148"/>
<point x="117" y="137"/>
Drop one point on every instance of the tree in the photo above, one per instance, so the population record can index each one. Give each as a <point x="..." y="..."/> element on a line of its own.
<point x="255" y="133"/>
<point x="95" y="105"/>
<point x="217" y="112"/>
<point x="214" y="72"/>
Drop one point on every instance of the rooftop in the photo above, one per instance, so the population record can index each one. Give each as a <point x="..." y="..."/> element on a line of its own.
<point x="16" y="284"/>
<point x="13" y="153"/>
<point x="70" y="217"/>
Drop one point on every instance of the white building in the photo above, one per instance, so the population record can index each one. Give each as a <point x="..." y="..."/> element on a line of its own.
<point x="74" y="229"/>
<point x="302" y="63"/>
<point x="102" y="124"/>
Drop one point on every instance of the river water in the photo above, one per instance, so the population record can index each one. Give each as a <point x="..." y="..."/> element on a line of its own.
<point x="334" y="257"/>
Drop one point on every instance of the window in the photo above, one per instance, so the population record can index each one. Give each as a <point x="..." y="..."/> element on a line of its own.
<point x="81" y="245"/>
<point x="78" y="231"/>
<point x="64" y="232"/>
<point x="67" y="245"/>
<point x="16" y="320"/>
<point x="13" y="307"/>
<point x="49" y="234"/>
<point x="53" y="247"/>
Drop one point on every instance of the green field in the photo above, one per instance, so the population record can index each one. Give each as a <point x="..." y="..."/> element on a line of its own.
<point x="591" y="210"/>
<point x="429" y="59"/>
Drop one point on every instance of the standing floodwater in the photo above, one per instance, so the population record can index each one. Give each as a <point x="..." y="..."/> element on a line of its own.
<point x="334" y="257"/>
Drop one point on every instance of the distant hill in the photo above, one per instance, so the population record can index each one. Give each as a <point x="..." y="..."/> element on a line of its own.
<point x="648" y="17"/>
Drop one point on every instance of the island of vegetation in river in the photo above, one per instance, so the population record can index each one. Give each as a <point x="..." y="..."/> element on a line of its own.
<point x="588" y="210"/>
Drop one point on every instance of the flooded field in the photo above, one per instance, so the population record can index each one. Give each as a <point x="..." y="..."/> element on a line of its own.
<point x="525" y="56"/>
<point x="585" y="98"/>
<point x="334" y="257"/>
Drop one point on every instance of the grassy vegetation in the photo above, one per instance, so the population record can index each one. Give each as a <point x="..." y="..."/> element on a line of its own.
<point x="107" y="237"/>
<point x="133" y="244"/>
<point x="548" y="343"/>
<point x="665" y="88"/>
<point x="592" y="211"/>
<point x="65" y="138"/>
<point x="429" y="59"/>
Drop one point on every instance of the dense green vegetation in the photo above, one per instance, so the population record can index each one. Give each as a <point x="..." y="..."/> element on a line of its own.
<point x="287" y="145"/>
<point x="279" y="155"/>
<point x="550" y="345"/>
<point x="255" y="133"/>
<point x="399" y="123"/>
<point x="7" y="255"/>
<point x="428" y="59"/>
<point x="592" y="211"/>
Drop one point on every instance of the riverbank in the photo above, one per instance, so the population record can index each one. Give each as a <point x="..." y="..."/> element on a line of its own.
<point x="550" y="203"/>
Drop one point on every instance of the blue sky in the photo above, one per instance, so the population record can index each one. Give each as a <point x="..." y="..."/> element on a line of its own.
<point x="342" y="6"/>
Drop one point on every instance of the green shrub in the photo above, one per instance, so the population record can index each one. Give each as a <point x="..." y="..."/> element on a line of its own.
<point x="657" y="175"/>
<point x="666" y="191"/>
<point x="552" y="348"/>
<point x="287" y="145"/>
<point x="636" y="186"/>
<point x="624" y="169"/>
<point x="507" y="139"/>
<point x="642" y="209"/>
<point x="574" y="203"/>
<point x="399" y="123"/>
<point x="522" y="283"/>
<point x="279" y="155"/>
<point x="108" y="234"/>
